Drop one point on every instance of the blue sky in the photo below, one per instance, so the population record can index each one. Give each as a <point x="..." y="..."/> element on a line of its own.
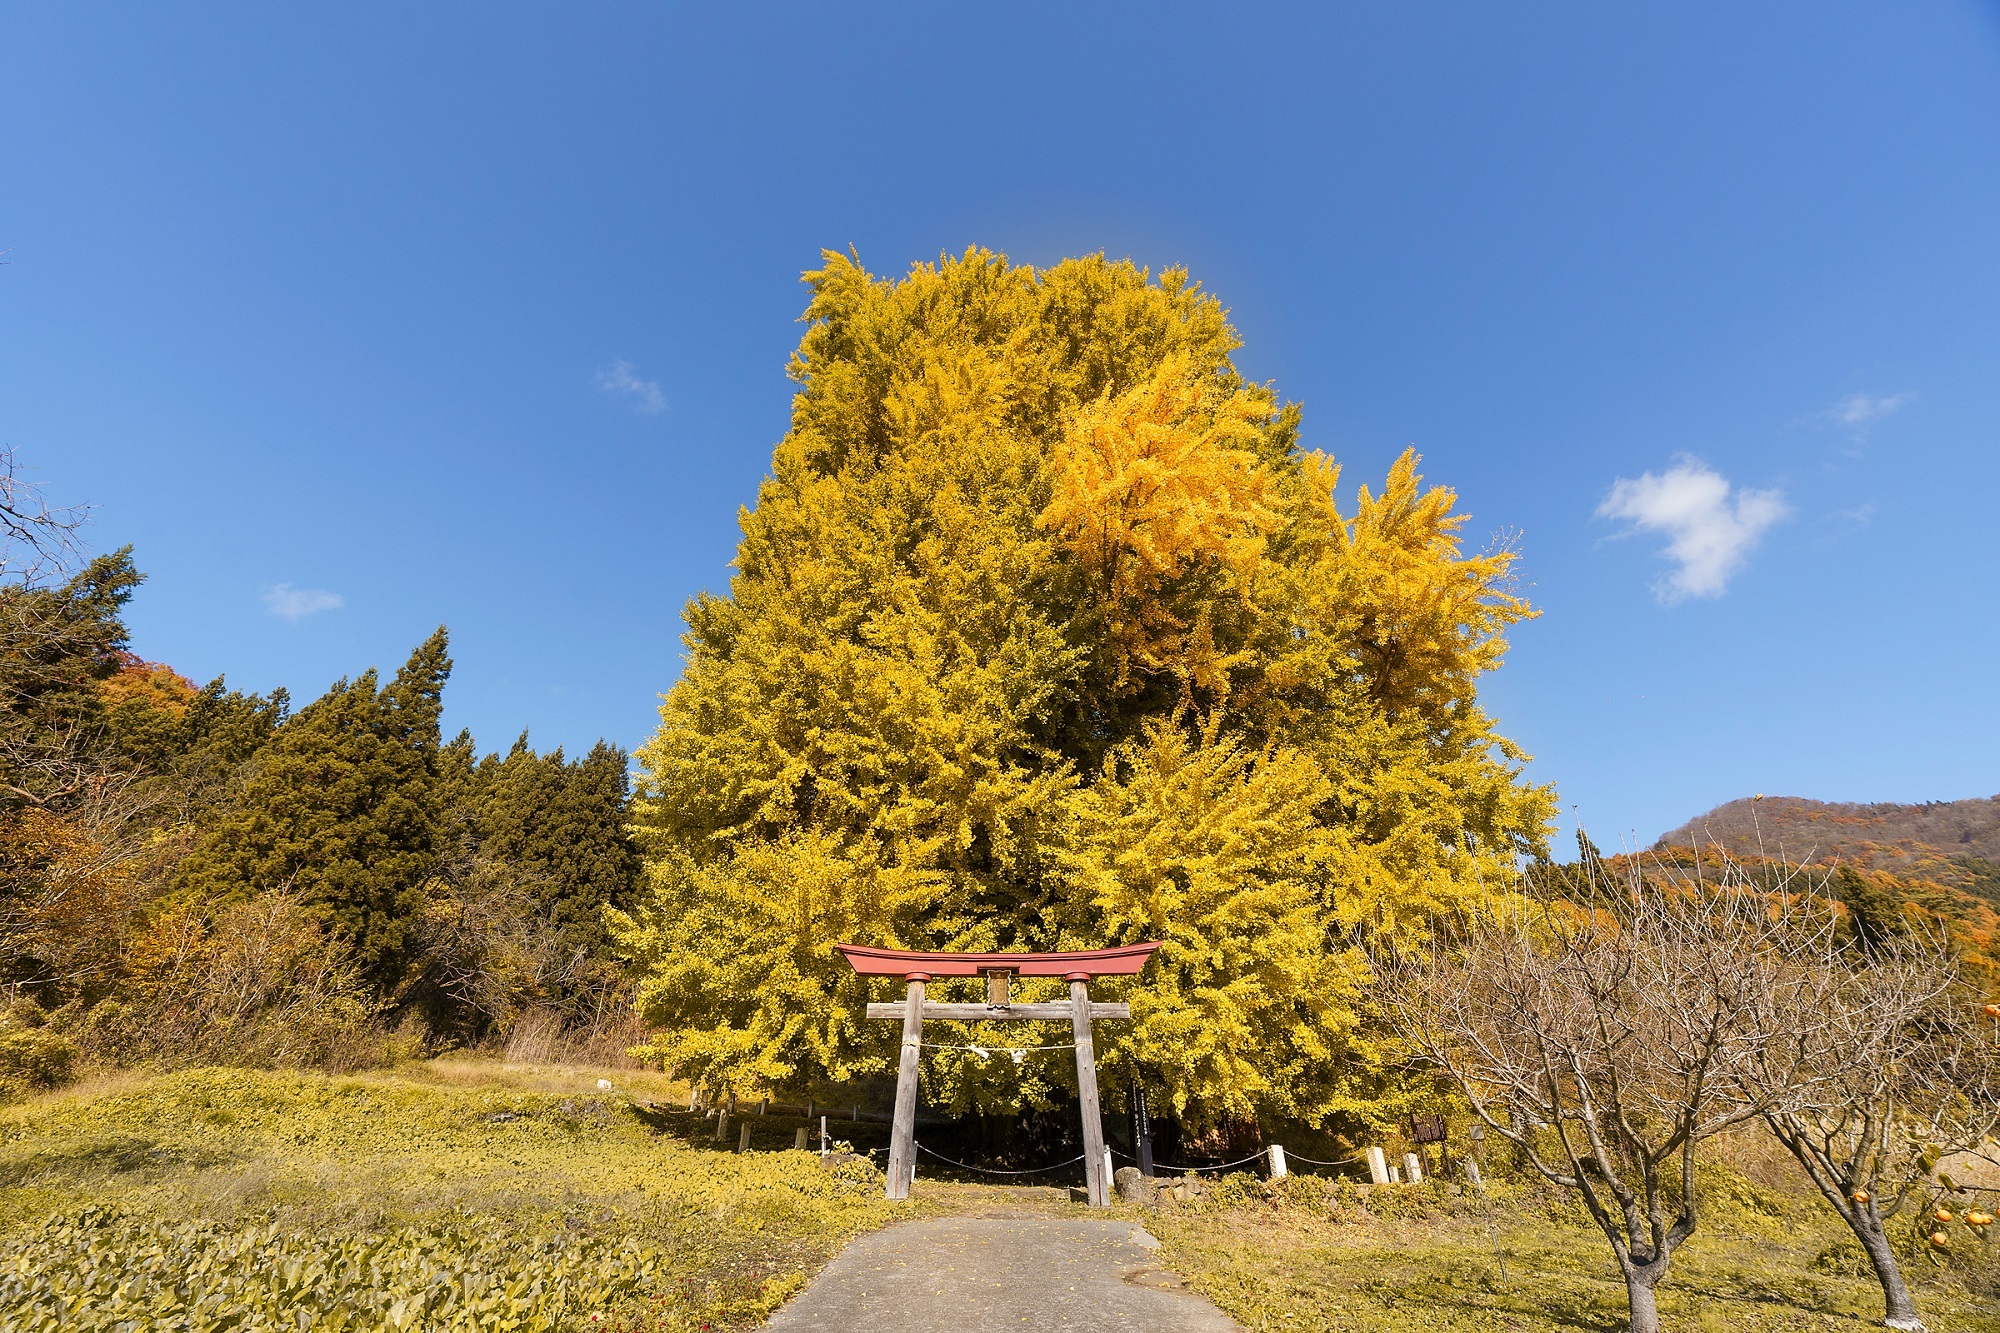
<point x="359" y="321"/>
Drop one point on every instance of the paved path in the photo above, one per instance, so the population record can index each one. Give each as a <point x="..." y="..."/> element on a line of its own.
<point x="995" y="1272"/>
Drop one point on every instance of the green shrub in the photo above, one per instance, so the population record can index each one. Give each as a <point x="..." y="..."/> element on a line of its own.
<point x="32" y="1059"/>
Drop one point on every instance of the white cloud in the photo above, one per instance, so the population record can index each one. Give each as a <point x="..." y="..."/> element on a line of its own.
<point x="1858" y="409"/>
<point x="1709" y="535"/>
<point x="289" y="603"/>
<point x="645" y="394"/>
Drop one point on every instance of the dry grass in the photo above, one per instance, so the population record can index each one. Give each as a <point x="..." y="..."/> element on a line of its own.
<point x="561" y="1079"/>
<point x="1304" y="1258"/>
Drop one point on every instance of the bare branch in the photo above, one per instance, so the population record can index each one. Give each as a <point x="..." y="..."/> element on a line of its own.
<point x="36" y="540"/>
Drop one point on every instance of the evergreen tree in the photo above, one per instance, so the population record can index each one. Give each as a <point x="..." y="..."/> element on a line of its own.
<point x="1875" y="909"/>
<point x="191" y="744"/>
<point x="1045" y="633"/>
<point x="344" y="808"/>
<point x="560" y="827"/>
<point x="57" y="648"/>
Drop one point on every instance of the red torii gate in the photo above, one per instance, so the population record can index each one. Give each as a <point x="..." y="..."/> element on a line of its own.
<point x="999" y="969"/>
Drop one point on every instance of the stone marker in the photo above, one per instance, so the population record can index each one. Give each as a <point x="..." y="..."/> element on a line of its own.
<point x="1134" y="1187"/>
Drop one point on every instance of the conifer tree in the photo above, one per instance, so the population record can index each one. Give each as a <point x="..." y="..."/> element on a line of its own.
<point x="344" y="809"/>
<point x="1046" y="633"/>
<point x="560" y="826"/>
<point x="57" y="647"/>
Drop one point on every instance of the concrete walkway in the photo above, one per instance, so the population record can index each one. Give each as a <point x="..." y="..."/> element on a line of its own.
<point x="994" y="1272"/>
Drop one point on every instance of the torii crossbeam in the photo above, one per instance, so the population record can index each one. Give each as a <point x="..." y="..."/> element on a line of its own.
<point x="999" y="969"/>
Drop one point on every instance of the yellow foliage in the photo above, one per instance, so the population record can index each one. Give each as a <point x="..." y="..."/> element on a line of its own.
<point x="1044" y="633"/>
<point x="1152" y="487"/>
<point x="1217" y="852"/>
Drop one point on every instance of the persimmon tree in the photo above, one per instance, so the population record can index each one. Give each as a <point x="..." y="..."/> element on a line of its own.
<point x="1046" y="632"/>
<point x="1609" y="1038"/>
<point x="1901" y="1078"/>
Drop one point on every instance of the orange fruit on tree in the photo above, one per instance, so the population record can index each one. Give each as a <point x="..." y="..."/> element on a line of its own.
<point x="1939" y="1239"/>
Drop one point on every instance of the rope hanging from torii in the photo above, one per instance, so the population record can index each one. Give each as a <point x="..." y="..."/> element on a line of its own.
<point x="918" y="968"/>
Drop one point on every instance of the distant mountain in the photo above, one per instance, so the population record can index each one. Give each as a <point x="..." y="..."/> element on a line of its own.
<point x="1954" y="843"/>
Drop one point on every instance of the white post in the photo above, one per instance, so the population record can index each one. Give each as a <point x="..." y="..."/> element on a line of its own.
<point x="1110" y="1168"/>
<point x="1395" y="1174"/>
<point x="1413" y="1168"/>
<point x="1378" y="1167"/>
<point x="1472" y="1169"/>
<point x="823" y="1140"/>
<point x="1276" y="1152"/>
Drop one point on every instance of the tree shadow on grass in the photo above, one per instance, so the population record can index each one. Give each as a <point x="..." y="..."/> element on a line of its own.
<point x="106" y="1158"/>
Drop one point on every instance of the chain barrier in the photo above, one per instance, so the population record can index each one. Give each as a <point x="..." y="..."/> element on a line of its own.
<point x="1169" y="1166"/>
<point x="1291" y="1156"/>
<point x="994" y="1171"/>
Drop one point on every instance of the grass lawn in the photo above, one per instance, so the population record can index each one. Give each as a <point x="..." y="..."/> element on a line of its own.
<point x="471" y="1195"/>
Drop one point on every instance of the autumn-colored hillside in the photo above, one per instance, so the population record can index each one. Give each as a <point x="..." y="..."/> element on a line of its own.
<point x="1952" y="843"/>
<point x="1941" y="858"/>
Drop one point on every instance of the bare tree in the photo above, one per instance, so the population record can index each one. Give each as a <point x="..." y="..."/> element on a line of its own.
<point x="487" y="946"/>
<point x="1604" y="1038"/>
<point x="1897" y="1077"/>
<point x="35" y="539"/>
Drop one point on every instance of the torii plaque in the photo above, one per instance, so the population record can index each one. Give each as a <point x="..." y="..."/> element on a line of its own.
<point x="917" y="969"/>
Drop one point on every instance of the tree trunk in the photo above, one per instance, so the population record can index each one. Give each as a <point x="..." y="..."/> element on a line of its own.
<point x="1645" y="1310"/>
<point x="1899" y="1310"/>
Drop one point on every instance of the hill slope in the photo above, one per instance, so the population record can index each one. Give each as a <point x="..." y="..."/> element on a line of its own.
<point x="1952" y="843"/>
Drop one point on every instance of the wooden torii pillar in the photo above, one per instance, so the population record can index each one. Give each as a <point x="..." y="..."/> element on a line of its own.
<point x="918" y="969"/>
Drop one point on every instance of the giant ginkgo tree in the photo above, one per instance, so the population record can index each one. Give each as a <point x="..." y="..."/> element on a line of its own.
<point x="1046" y="632"/>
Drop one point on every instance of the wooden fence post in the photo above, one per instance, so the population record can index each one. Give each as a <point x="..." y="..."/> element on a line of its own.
<point x="903" y="1132"/>
<point x="1086" y="1091"/>
<point x="799" y="1139"/>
